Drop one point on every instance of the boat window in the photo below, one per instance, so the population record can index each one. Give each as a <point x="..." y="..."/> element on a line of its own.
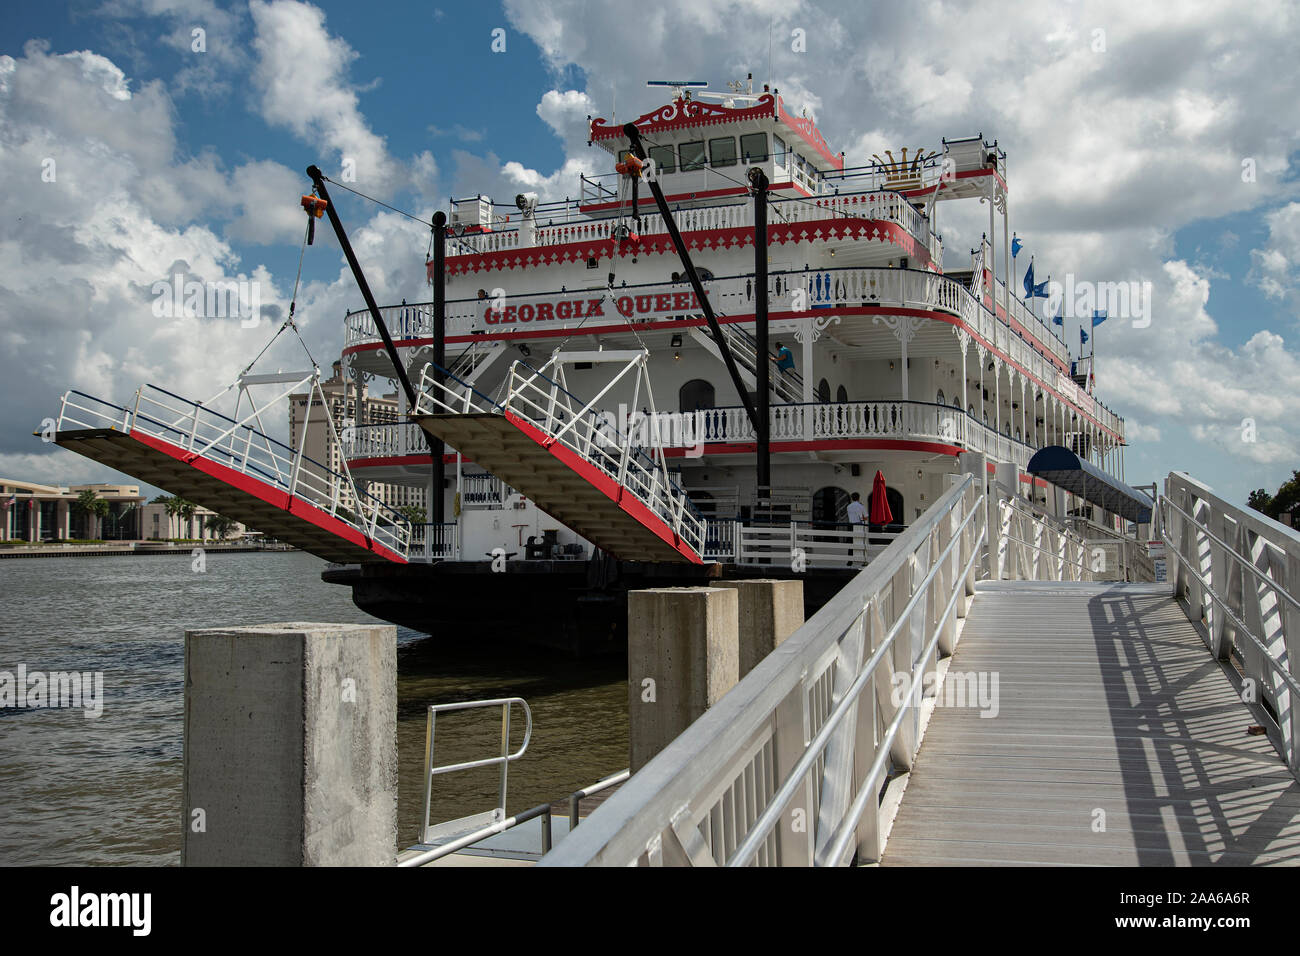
<point x="692" y="155"/>
<point x="824" y="392"/>
<point x="778" y="151"/>
<point x="722" y="151"/>
<point x="664" y="158"/>
<point x="753" y="148"/>
<point x="841" y="394"/>
<point x="940" y="398"/>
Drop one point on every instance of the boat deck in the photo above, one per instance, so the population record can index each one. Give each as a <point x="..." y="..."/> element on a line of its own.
<point x="1118" y="740"/>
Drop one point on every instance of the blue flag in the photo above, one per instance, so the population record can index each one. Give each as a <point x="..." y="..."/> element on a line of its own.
<point x="1058" y="318"/>
<point x="1040" y="290"/>
<point x="1016" y="246"/>
<point x="1098" y="318"/>
<point x="1029" y="278"/>
<point x="1083" y="336"/>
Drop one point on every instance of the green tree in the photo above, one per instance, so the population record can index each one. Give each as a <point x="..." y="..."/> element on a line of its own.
<point x="92" y="507"/>
<point x="1260" y="500"/>
<point x="412" y="513"/>
<point x="220" y="525"/>
<point x="1286" y="499"/>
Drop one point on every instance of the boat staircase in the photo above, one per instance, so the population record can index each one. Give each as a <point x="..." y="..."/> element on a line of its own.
<point x="787" y="386"/>
<point x="229" y="463"/>
<point x="607" y="483"/>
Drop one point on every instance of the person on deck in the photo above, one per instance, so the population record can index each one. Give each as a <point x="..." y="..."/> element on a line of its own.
<point x="857" y="510"/>
<point x="784" y="359"/>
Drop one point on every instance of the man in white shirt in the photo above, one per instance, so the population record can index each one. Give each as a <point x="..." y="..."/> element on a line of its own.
<point x="857" y="510"/>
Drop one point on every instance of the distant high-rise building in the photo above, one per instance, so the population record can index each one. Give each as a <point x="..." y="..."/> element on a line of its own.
<point x="347" y="413"/>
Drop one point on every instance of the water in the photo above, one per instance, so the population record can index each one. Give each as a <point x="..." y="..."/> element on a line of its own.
<point x="108" y="790"/>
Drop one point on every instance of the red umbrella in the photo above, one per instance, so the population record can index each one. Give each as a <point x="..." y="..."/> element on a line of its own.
<point x="880" y="513"/>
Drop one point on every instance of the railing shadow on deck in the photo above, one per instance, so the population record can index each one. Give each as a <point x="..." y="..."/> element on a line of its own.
<point x="1157" y="703"/>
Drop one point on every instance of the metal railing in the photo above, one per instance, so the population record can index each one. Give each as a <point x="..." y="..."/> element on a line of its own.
<point x="503" y="760"/>
<point x="206" y="433"/>
<point x="788" y="767"/>
<point x="829" y="421"/>
<point x="803" y="761"/>
<point x="1035" y="546"/>
<point x="546" y="404"/>
<point x="544" y="811"/>
<point x="1237" y="574"/>
<point x="847" y="287"/>
<point x="884" y="205"/>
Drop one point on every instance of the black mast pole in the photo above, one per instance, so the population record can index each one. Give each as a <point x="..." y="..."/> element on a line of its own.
<point x="763" y="372"/>
<point x="634" y="137"/>
<point x="436" y="510"/>
<point x="318" y="179"/>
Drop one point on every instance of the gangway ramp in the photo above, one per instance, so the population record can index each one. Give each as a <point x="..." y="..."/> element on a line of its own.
<point x="605" y="483"/>
<point x="1114" y="738"/>
<point x="233" y="468"/>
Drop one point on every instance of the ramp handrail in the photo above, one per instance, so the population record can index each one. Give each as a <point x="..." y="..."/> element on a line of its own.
<point x="1035" y="546"/>
<point x="546" y="404"/>
<point x="504" y="760"/>
<point x="788" y="767"/>
<point x="1237" y="572"/>
<point x="214" y="436"/>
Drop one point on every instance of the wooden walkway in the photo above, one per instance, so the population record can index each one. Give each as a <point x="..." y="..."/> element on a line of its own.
<point x="1108" y="702"/>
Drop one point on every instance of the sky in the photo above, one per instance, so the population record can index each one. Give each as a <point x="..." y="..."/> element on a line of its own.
<point x="145" y="139"/>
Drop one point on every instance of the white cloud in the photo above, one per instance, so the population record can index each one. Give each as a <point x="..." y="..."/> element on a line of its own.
<point x="301" y="75"/>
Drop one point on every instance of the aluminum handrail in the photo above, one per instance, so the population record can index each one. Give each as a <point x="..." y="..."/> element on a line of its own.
<point x="745" y="852"/>
<point x="542" y="810"/>
<point x="503" y="760"/>
<point x="647" y="813"/>
<point x="1236" y="574"/>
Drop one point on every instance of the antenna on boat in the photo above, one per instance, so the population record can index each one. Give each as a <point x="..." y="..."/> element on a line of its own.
<point x="681" y="88"/>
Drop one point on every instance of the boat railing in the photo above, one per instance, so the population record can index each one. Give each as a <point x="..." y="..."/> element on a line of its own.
<point x="881" y="204"/>
<point x="836" y="288"/>
<point x="1237" y="573"/>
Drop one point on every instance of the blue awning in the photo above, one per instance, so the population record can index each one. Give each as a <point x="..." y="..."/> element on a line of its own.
<point x="1065" y="469"/>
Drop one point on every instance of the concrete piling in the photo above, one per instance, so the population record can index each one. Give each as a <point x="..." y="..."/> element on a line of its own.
<point x="290" y="746"/>
<point x="769" y="611"/>
<point x="682" y="656"/>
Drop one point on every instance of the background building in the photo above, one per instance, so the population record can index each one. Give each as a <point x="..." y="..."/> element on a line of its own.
<point x="350" y="407"/>
<point x="34" y="512"/>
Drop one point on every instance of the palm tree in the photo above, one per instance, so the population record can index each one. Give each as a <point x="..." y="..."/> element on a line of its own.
<point x="91" y="506"/>
<point x="187" y="510"/>
<point x="220" y="525"/>
<point x="173" y="507"/>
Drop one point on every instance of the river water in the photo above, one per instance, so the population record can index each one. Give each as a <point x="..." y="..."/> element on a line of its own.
<point x="108" y="790"/>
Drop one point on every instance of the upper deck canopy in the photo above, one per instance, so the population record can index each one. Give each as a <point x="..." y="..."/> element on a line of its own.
<point x="767" y="114"/>
<point x="1065" y="469"/>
